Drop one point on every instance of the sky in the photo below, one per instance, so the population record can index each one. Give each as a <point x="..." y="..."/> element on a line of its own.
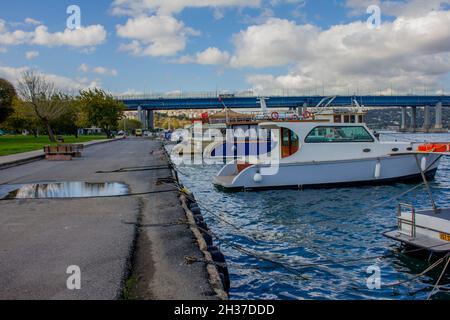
<point x="268" y="46"/>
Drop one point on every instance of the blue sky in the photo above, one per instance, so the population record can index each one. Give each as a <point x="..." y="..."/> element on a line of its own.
<point x="261" y="44"/>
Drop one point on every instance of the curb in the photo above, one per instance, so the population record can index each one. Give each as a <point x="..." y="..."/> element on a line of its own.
<point x="215" y="278"/>
<point x="217" y="270"/>
<point x="16" y="163"/>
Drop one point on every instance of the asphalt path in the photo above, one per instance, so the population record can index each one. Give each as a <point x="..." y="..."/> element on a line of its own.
<point x="41" y="238"/>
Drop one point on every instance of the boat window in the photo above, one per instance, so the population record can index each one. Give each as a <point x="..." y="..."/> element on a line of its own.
<point x="289" y="143"/>
<point x="339" y="134"/>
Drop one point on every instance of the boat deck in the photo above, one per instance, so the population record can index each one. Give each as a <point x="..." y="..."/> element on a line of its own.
<point x="422" y="241"/>
<point x="434" y="245"/>
<point x="443" y="213"/>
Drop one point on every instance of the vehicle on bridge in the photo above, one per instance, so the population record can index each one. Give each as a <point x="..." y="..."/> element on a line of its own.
<point x="139" y="133"/>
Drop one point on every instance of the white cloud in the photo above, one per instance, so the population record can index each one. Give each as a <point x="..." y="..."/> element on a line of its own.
<point x="264" y="15"/>
<point x="274" y="43"/>
<point x="153" y="29"/>
<point x="31" y="54"/>
<point x="98" y="70"/>
<point x="16" y="37"/>
<point x="210" y="56"/>
<point x="129" y="92"/>
<point x="84" y="68"/>
<point x="105" y="71"/>
<point x="83" y="37"/>
<point x="63" y="83"/>
<point x="154" y="35"/>
<point x="168" y="7"/>
<point x="32" y="21"/>
<point x="410" y="52"/>
<point x="2" y="25"/>
<point x="409" y="8"/>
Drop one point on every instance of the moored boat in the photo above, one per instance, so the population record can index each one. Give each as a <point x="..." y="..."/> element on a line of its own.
<point x="320" y="153"/>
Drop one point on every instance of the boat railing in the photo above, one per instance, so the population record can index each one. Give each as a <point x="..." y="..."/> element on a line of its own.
<point x="411" y="222"/>
<point x="258" y="117"/>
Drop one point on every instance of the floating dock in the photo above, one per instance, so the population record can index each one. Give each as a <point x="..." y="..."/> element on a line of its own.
<point x="425" y="229"/>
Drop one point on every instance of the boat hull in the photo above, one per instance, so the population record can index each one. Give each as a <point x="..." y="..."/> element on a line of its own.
<point x="389" y="169"/>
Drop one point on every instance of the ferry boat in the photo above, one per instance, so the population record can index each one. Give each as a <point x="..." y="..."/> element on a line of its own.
<point x="327" y="153"/>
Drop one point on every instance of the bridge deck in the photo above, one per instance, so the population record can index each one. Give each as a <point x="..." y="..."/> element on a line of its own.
<point x="180" y="103"/>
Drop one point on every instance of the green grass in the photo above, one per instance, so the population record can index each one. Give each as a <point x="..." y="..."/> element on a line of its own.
<point x="10" y="144"/>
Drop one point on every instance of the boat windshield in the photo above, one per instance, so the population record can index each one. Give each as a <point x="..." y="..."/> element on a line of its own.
<point x="331" y="134"/>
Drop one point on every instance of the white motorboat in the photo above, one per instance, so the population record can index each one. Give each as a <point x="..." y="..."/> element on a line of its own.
<point x="322" y="153"/>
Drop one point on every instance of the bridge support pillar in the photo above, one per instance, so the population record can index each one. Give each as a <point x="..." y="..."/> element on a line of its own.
<point x="150" y="120"/>
<point x="426" y="119"/>
<point x="404" y="124"/>
<point x="139" y="114"/>
<point x="413" y="119"/>
<point x="439" y="124"/>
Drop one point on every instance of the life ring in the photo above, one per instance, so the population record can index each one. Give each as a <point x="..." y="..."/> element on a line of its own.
<point x="307" y="115"/>
<point x="275" y="115"/>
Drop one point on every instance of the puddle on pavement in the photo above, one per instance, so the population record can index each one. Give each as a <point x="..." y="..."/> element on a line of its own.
<point x="68" y="190"/>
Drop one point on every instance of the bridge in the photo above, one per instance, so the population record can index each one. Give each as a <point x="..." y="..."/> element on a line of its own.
<point x="146" y="105"/>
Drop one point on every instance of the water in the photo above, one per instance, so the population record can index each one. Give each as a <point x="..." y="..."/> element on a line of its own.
<point x="63" y="190"/>
<point x="312" y="226"/>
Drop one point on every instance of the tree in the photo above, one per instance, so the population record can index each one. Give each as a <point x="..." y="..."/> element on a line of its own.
<point x="7" y="95"/>
<point x="101" y="110"/>
<point x="22" y="118"/>
<point x="41" y="96"/>
<point x="68" y="122"/>
<point x="129" y="124"/>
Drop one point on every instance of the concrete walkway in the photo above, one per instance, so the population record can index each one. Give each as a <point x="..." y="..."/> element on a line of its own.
<point x="40" y="239"/>
<point x="25" y="157"/>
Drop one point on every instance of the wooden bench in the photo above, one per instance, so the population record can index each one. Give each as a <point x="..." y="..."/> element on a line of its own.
<point x="63" y="152"/>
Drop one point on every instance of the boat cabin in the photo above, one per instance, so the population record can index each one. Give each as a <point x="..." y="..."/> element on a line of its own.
<point x="342" y="115"/>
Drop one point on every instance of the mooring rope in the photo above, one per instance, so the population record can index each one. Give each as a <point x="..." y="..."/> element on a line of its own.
<point x="433" y="292"/>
